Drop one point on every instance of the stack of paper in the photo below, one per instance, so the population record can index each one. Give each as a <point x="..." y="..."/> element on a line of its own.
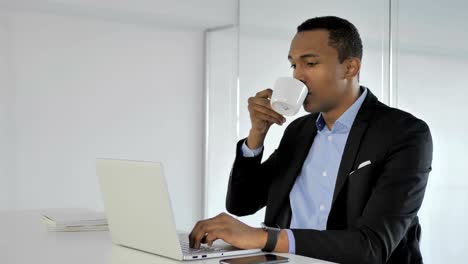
<point x="74" y="220"/>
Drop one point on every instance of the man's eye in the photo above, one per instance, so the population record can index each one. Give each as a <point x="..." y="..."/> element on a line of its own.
<point x="293" y="66"/>
<point x="312" y="64"/>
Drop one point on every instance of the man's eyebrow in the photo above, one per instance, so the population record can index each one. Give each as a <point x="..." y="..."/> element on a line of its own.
<point x="308" y="55"/>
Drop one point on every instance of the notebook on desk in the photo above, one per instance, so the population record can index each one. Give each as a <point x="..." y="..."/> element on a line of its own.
<point x="73" y="220"/>
<point x="139" y="212"/>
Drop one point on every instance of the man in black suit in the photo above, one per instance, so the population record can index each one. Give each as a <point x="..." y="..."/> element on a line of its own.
<point x="346" y="182"/>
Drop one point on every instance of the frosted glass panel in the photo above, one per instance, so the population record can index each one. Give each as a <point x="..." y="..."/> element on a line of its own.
<point x="221" y="115"/>
<point x="432" y="62"/>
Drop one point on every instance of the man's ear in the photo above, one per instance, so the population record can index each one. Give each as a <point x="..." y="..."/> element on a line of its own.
<point x="353" y="66"/>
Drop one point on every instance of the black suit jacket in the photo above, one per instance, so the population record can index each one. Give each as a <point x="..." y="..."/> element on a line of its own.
<point x="373" y="218"/>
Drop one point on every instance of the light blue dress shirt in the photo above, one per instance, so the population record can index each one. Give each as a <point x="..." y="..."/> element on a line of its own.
<point x="312" y="193"/>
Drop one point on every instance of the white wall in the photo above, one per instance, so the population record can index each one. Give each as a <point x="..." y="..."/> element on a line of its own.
<point x="86" y="87"/>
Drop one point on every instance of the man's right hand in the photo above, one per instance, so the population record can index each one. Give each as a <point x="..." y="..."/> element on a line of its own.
<point x="262" y="116"/>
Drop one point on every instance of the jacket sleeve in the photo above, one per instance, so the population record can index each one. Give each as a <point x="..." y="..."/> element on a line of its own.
<point x="390" y="210"/>
<point x="249" y="183"/>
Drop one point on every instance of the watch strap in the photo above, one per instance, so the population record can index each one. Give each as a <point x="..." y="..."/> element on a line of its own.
<point x="272" y="238"/>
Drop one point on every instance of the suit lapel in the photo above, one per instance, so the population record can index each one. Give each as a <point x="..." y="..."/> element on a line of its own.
<point x="353" y="142"/>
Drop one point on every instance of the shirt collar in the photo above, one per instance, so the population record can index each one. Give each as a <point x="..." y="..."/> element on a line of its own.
<point x="345" y="121"/>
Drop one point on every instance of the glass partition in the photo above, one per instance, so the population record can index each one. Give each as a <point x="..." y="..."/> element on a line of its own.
<point x="432" y="61"/>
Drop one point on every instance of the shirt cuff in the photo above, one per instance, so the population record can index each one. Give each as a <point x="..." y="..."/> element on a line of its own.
<point x="292" y="241"/>
<point x="250" y="153"/>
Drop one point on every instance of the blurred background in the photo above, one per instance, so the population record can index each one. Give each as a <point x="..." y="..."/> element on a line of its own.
<point x="169" y="81"/>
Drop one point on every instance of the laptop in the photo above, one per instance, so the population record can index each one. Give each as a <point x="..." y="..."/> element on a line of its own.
<point x="139" y="212"/>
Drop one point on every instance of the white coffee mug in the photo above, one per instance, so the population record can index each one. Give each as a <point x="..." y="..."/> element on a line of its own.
<point x="288" y="95"/>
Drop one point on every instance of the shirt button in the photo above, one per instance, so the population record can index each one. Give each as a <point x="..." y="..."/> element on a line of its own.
<point x="322" y="207"/>
<point x="324" y="173"/>
<point x="330" y="138"/>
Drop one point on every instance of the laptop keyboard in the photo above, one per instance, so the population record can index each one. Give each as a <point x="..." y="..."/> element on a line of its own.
<point x="203" y="249"/>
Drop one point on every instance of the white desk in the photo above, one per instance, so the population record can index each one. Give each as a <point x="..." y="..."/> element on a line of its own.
<point x="24" y="240"/>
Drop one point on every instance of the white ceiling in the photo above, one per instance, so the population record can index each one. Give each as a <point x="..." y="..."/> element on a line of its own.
<point x="422" y="24"/>
<point x="184" y="14"/>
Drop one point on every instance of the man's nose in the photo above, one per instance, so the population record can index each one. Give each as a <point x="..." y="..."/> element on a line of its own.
<point x="299" y="74"/>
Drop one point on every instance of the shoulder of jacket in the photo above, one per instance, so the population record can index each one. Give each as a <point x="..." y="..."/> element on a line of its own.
<point x="396" y="118"/>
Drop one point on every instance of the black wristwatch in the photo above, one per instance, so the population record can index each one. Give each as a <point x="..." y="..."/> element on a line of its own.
<point x="273" y="233"/>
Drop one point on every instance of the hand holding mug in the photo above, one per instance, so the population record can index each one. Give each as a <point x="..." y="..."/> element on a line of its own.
<point x="262" y="116"/>
<point x="268" y="107"/>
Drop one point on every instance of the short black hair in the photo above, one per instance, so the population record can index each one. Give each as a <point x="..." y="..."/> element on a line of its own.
<point x="343" y="35"/>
